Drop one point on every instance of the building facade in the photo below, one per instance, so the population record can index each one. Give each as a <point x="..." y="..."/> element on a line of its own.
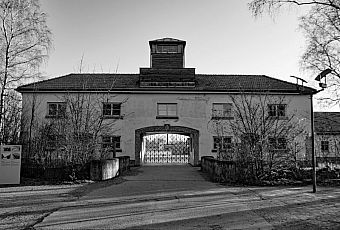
<point x="327" y="138"/>
<point x="163" y="114"/>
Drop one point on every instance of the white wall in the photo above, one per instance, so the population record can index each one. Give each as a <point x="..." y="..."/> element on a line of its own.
<point x="194" y="111"/>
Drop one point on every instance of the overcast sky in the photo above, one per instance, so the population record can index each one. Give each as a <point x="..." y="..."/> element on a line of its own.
<point x="222" y="36"/>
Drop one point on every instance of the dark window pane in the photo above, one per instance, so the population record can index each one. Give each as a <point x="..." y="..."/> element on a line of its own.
<point x="107" y="146"/>
<point x="272" y="142"/>
<point x="116" y="140"/>
<point x="115" y="106"/>
<point x="106" y="139"/>
<point x="227" y="142"/>
<point x="61" y="109"/>
<point x="272" y="110"/>
<point x="325" y="146"/>
<point x="281" y="110"/>
<point x="106" y="109"/>
<point x="282" y="144"/>
<point x="216" y="142"/>
<point x="111" y="141"/>
<point x="52" y="109"/>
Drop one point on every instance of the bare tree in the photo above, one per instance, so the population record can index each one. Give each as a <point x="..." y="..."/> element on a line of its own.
<point x="11" y="118"/>
<point x="24" y="43"/>
<point x="265" y="135"/>
<point x="321" y="27"/>
<point x="258" y="7"/>
<point x="322" y="31"/>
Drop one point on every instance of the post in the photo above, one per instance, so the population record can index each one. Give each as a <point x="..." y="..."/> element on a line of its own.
<point x="313" y="146"/>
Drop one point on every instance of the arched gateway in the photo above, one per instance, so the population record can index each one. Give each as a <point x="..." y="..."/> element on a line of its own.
<point x="167" y="143"/>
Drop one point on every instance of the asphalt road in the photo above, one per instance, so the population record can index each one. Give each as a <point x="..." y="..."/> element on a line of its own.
<point x="179" y="197"/>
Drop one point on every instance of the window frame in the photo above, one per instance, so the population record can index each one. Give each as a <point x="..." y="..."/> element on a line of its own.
<point x="275" y="112"/>
<point x="112" y="109"/>
<point x="225" y="146"/>
<point x="323" y="145"/>
<point x="167" y="115"/>
<point x="118" y="145"/>
<point x="226" y="114"/>
<point x="274" y="143"/>
<point x="167" y="49"/>
<point x="59" y="105"/>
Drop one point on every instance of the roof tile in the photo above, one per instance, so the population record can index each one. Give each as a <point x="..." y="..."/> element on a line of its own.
<point x="327" y="122"/>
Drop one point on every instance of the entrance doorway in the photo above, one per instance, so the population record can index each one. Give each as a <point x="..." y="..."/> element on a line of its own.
<point x="166" y="148"/>
<point x="166" y="145"/>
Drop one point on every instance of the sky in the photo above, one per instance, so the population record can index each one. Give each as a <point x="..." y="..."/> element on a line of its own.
<point x="222" y="36"/>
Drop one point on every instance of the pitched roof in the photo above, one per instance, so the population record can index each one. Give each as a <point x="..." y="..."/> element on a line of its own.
<point x="130" y="82"/>
<point x="327" y="122"/>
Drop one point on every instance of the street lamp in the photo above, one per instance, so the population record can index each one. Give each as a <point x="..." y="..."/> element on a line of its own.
<point x="323" y="86"/>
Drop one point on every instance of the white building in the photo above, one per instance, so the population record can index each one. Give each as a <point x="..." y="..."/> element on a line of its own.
<point x="161" y="114"/>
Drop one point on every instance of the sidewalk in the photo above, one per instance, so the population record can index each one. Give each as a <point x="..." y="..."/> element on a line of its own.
<point x="22" y="206"/>
<point x="171" y="197"/>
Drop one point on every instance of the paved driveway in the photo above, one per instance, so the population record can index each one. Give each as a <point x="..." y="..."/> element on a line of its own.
<point x="157" y="180"/>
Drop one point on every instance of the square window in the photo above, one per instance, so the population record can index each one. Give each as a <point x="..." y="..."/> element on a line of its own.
<point x="279" y="143"/>
<point x="111" y="109"/>
<point x="56" y="109"/>
<point x="277" y="110"/>
<point x="111" y="141"/>
<point x="222" y="142"/>
<point x="167" y="109"/>
<point x="222" y="110"/>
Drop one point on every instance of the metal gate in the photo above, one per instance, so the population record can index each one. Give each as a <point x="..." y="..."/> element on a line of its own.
<point x="166" y="149"/>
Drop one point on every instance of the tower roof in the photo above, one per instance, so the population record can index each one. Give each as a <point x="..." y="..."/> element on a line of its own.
<point x="167" y="40"/>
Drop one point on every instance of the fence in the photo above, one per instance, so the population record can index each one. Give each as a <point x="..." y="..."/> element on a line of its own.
<point x="228" y="171"/>
<point x="53" y="170"/>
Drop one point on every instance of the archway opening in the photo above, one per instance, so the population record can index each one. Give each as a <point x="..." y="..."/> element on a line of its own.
<point x="166" y="145"/>
<point x="166" y="148"/>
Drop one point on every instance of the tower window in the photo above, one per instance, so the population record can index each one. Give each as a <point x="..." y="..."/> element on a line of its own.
<point x="167" y="49"/>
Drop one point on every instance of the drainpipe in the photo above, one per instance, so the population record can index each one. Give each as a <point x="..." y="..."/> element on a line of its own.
<point x="313" y="145"/>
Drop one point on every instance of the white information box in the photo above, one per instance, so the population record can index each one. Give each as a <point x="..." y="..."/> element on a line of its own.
<point x="10" y="164"/>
